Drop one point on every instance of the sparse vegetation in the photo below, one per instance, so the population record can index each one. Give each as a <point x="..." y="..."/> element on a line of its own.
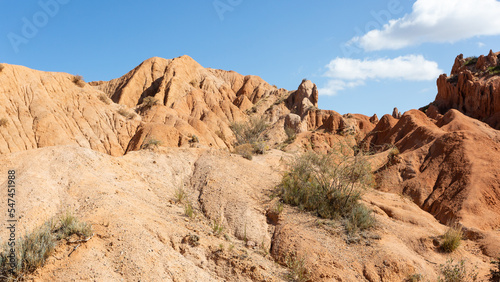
<point x="298" y="270"/>
<point x="33" y="249"/>
<point x="495" y="271"/>
<point x="260" y="147"/>
<point x="360" y="218"/>
<point x="249" y="132"/>
<point x="470" y="61"/>
<point x="194" y="139"/>
<point x="494" y="70"/>
<point x="291" y="135"/>
<point x="457" y="272"/>
<point x="149" y="102"/>
<point x="78" y="80"/>
<point x="189" y="210"/>
<point x="452" y="238"/>
<point x="415" y="278"/>
<point x="126" y="113"/>
<point x="104" y="99"/>
<point x="329" y="185"/>
<point x="180" y="195"/>
<point x="4" y="122"/>
<point x="217" y="228"/>
<point x="245" y="150"/>
<point x="151" y="143"/>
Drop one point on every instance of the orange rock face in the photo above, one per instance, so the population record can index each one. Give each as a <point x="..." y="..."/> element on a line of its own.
<point x="473" y="88"/>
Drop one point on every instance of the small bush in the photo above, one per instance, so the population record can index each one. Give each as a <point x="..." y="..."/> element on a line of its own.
<point x="494" y="70"/>
<point x="298" y="270"/>
<point x="4" y="122"/>
<point x="359" y="219"/>
<point x="470" y="61"/>
<point x="291" y="135"/>
<point x="245" y="150"/>
<point x="180" y="195"/>
<point x="260" y="148"/>
<point x="149" y="102"/>
<point x="457" y="272"/>
<point x="217" y="228"/>
<point x="328" y="184"/>
<point x="249" y="132"/>
<point x="152" y="143"/>
<point x="415" y="278"/>
<point x="452" y="239"/>
<point x="189" y="210"/>
<point x="32" y="250"/>
<point x="126" y="113"/>
<point x="104" y="99"/>
<point x="495" y="271"/>
<point x="78" y="80"/>
<point x="194" y="139"/>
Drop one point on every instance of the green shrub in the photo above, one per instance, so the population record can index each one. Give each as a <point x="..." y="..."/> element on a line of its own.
<point x="3" y="122"/>
<point x="298" y="270"/>
<point x="495" y="271"/>
<point x="470" y="61"/>
<point x="359" y="219"/>
<point x="245" y="150"/>
<point x="452" y="238"/>
<point x="328" y="184"/>
<point x="494" y="70"/>
<point x="151" y="143"/>
<point x="291" y="135"/>
<point x="415" y="278"/>
<point x="189" y="210"/>
<point x="249" y="132"/>
<point x="32" y="250"/>
<point x="78" y="80"/>
<point x="180" y="195"/>
<point x="457" y="272"/>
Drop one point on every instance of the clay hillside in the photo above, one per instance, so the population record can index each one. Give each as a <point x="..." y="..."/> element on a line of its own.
<point x="176" y="172"/>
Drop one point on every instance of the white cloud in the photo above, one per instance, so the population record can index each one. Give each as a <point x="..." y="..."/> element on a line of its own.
<point x="435" y="21"/>
<point x="480" y="44"/>
<point x="347" y="73"/>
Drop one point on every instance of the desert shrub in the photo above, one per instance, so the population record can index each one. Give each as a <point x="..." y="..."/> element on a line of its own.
<point x="360" y="218"/>
<point x="328" y="184"/>
<point x="33" y="249"/>
<point x="291" y="135"/>
<point x="217" y="228"/>
<point x="298" y="270"/>
<point x="180" y="195"/>
<point x="415" y="278"/>
<point x="452" y="238"/>
<point x="151" y="143"/>
<point x="3" y="122"/>
<point x="194" y="139"/>
<point x="189" y="210"/>
<point x="470" y="61"/>
<point x="495" y="271"/>
<point x="456" y="272"/>
<point x="245" y="150"/>
<point x="104" y="99"/>
<point x="494" y="70"/>
<point x="249" y="132"/>
<point x="149" y="102"/>
<point x="1" y="67"/>
<point x="78" y="80"/>
<point x="260" y="147"/>
<point x="126" y="113"/>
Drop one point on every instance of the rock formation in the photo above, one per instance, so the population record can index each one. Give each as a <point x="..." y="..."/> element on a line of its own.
<point x="473" y="88"/>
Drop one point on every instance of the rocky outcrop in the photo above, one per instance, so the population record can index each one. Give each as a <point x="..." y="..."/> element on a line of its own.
<point x="473" y="88"/>
<point x="41" y="109"/>
<point x="444" y="164"/>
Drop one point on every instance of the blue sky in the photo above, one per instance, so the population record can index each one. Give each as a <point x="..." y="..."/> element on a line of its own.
<point x="365" y="56"/>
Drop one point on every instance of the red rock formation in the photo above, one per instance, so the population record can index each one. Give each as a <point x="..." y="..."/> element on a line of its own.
<point x="473" y="88"/>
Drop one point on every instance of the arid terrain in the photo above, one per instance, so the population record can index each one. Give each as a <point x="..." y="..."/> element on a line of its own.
<point x="153" y="162"/>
